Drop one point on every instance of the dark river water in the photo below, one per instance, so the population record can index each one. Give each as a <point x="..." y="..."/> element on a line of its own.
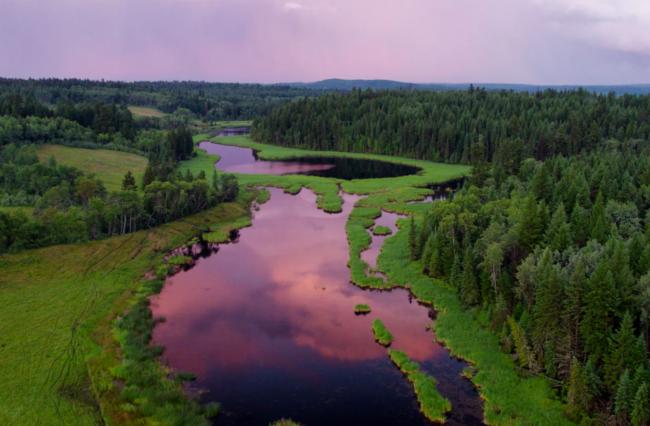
<point x="267" y="324"/>
<point x="235" y="159"/>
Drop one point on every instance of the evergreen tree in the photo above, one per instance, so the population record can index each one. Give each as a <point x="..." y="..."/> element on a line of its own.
<point x="558" y="235"/>
<point x="599" y="222"/>
<point x="624" y="399"/>
<point x="641" y="406"/>
<point x="413" y="239"/>
<point x="625" y="352"/>
<point x="578" y="393"/>
<point x="128" y="183"/>
<point x="531" y="225"/>
<point x="598" y="313"/>
<point x="469" y="291"/>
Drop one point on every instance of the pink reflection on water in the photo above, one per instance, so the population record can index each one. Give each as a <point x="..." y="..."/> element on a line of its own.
<point x="284" y="283"/>
<point x="278" y="303"/>
<point x="235" y="159"/>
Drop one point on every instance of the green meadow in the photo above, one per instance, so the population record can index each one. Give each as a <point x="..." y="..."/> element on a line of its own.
<point x="110" y="166"/>
<point x="57" y="344"/>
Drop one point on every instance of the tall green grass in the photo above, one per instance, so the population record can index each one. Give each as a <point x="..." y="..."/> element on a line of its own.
<point x="381" y="333"/>
<point x="432" y="404"/>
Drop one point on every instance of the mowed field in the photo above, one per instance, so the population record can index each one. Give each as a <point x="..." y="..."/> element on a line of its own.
<point x="110" y="166"/>
<point x="58" y="303"/>
<point x="140" y="111"/>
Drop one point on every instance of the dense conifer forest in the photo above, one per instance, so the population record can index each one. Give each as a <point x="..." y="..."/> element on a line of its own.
<point x="445" y="126"/>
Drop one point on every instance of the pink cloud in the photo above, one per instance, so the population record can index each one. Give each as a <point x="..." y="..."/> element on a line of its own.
<point x="289" y="40"/>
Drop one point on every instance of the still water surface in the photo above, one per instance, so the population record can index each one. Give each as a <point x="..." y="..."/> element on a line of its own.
<point x="235" y="159"/>
<point x="267" y="325"/>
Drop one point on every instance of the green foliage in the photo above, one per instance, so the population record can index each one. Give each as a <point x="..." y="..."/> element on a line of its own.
<point x="67" y="368"/>
<point x="508" y="398"/>
<point x="432" y="404"/>
<point x="381" y="333"/>
<point x="381" y="230"/>
<point x="362" y="309"/>
<point x="641" y="406"/>
<point x="448" y="126"/>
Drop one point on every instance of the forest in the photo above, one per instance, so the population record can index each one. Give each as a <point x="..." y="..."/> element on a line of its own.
<point x="207" y="101"/>
<point x="557" y="254"/>
<point x="443" y="126"/>
<point x="70" y="205"/>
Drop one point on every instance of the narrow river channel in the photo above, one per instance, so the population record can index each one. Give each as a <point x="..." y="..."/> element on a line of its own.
<point x="267" y="325"/>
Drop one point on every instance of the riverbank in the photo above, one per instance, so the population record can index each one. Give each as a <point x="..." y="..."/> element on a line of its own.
<point x="412" y="186"/>
<point x="508" y="398"/>
<point x="67" y="297"/>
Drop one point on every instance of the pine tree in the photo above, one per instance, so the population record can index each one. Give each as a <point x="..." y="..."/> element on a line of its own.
<point x="427" y="253"/>
<point x="531" y="225"/>
<point x="558" y="235"/>
<point x="128" y="183"/>
<point x="470" y="294"/>
<point x="149" y="176"/>
<point x="641" y="406"/>
<point x="580" y="225"/>
<point x="599" y="223"/>
<point x="578" y="397"/>
<point x="413" y="239"/>
<point x="625" y="351"/>
<point x="598" y="312"/>
<point x="547" y="310"/>
<point x="575" y="294"/>
<point x="455" y="276"/>
<point x="624" y="398"/>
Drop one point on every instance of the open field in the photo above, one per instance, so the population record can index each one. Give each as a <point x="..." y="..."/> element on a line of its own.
<point x="58" y="305"/>
<point x="110" y="166"/>
<point x="140" y="111"/>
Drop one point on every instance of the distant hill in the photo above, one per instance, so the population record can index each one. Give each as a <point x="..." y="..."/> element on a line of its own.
<point x="343" y="85"/>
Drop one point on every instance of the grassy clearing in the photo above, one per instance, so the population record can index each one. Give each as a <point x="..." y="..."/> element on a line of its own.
<point x="110" y="166"/>
<point x="232" y="123"/>
<point x="509" y="399"/>
<point x="57" y="348"/>
<point x="362" y="309"/>
<point x="381" y="333"/>
<point x="140" y="111"/>
<point x="432" y="404"/>
<point x="381" y="230"/>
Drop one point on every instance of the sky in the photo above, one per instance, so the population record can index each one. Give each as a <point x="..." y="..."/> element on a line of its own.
<point x="455" y="41"/>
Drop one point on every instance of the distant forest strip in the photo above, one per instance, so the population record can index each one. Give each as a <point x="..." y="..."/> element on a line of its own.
<point x="208" y="101"/>
<point x="457" y="126"/>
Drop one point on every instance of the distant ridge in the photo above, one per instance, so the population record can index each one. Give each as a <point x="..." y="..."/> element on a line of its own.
<point x="344" y="85"/>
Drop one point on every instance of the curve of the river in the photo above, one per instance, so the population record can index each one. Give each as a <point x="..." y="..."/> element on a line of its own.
<point x="268" y="327"/>
<point x="235" y="159"/>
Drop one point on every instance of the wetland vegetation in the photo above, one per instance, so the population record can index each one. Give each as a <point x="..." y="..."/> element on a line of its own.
<point x="533" y="274"/>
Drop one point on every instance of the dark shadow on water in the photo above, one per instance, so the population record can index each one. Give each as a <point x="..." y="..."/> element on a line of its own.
<point x="244" y="160"/>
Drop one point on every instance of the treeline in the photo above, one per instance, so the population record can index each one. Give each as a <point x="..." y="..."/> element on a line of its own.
<point x="208" y="101"/>
<point x="443" y="126"/>
<point x="81" y="209"/>
<point x="105" y="120"/>
<point x="557" y="254"/>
